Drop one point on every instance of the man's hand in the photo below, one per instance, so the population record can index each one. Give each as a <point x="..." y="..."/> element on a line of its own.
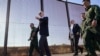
<point x="78" y="33"/>
<point x="37" y="17"/>
<point x="30" y="39"/>
<point x="94" y="23"/>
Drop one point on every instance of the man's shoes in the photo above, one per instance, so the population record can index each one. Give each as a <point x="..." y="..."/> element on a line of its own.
<point x="75" y="55"/>
<point x="81" y="50"/>
<point x="87" y="55"/>
<point x="91" y="55"/>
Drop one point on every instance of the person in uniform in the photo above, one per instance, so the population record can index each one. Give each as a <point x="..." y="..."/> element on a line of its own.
<point x="91" y="28"/>
<point x="34" y="39"/>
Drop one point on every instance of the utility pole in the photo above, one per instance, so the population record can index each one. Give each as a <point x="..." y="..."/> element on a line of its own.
<point x="6" y="28"/>
<point x="68" y="15"/>
<point x="42" y="5"/>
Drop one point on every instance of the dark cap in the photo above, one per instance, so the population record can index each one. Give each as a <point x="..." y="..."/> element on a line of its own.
<point x="86" y="0"/>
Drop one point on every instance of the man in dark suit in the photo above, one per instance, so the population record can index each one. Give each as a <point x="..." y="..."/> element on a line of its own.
<point x="74" y="37"/>
<point x="44" y="32"/>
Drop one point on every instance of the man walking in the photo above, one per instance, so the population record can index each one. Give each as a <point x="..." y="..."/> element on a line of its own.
<point x="44" y="33"/>
<point x="92" y="27"/>
<point x="34" y="39"/>
<point x="74" y="37"/>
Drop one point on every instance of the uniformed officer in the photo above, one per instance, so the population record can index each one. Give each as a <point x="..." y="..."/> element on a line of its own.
<point x="34" y="39"/>
<point x="91" y="27"/>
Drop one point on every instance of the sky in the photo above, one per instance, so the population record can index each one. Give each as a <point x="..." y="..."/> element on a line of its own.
<point x="80" y="1"/>
<point x="23" y="13"/>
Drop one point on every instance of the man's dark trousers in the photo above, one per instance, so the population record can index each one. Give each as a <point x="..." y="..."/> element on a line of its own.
<point x="76" y="47"/>
<point x="43" y="45"/>
<point x="33" y="45"/>
<point x="72" y="44"/>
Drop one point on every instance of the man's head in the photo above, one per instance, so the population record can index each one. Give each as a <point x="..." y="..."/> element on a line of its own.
<point x="41" y="14"/>
<point x="31" y="25"/>
<point x="86" y="3"/>
<point x="72" y="21"/>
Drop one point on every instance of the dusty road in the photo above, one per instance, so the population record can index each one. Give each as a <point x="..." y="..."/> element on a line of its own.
<point x="71" y="54"/>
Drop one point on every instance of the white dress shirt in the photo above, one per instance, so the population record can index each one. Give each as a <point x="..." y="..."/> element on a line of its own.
<point x="71" y="31"/>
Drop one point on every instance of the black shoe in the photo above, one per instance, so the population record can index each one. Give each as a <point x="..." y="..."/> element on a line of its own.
<point x="75" y="55"/>
<point x="91" y="55"/>
<point x="87" y="55"/>
<point x="81" y="50"/>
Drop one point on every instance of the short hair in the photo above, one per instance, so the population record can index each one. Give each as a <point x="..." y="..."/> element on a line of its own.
<point x="86" y="0"/>
<point x="72" y="20"/>
<point x="31" y="24"/>
<point x="40" y="12"/>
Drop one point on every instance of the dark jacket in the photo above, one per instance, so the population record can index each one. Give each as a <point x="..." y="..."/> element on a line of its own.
<point x="44" y="26"/>
<point x="76" y="28"/>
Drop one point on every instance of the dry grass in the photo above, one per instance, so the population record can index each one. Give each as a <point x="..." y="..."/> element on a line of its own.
<point x="23" y="51"/>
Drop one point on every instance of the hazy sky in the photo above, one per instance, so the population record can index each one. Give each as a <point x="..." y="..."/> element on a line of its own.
<point x="23" y="12"/>
<point x="80" y="1"/>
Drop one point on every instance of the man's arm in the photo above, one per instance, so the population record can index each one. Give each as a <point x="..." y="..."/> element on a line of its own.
<point x="97" y="16"/>
<point x="78" y="29"/>
<point x="42" y="19"/>
<point x="31" y="35"/>
<point x="37" y="29"/>
<point x="97" y="12"/>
